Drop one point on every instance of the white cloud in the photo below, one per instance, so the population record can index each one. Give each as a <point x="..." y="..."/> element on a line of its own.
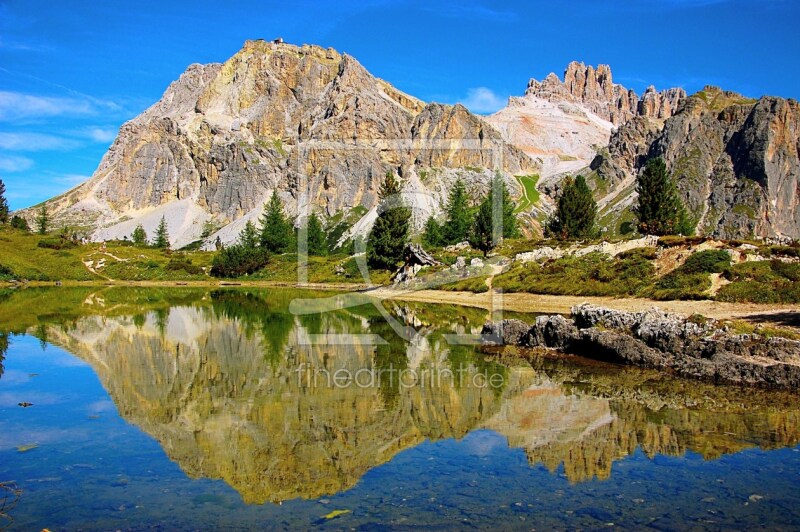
<point x="483" y="100"/>
<point x="101" y="134"/>
<point x="35" y="142"/>
<point x="70" y="180"/>
<point x="15" y="164"/>
<point x="19" y="106"/>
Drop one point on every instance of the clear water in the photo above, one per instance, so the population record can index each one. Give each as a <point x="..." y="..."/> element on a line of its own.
<point x="186" y="410"/>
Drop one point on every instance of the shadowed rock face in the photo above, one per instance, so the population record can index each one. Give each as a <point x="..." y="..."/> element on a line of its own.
<point x="229" y="390"/>
<point x="736" y="161"/>
<point x="306" y="121"/>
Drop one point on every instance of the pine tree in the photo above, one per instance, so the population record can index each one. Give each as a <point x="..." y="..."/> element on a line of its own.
<point x="42" y="220"/>
<point x="276" y="230"/>
<point x="139" y="236"/>
<point x="660" y="210"/>
<point x="433" y="234"/>
<point x="481" y="234"/>
<point x="576" y="211"/>
<point x="249" y="237"/>
<point x="3" y="204"/>
<point x="161" y="241"/>
<point x="510" y="227"/>
<point x="389" y="234"/>
<point x="18" y="222"/>
<point x="457" y="223"/>
<point x="316" y="238"/>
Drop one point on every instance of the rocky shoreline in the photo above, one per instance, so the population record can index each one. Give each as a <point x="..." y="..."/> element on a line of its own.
<point x="694" y="347"/>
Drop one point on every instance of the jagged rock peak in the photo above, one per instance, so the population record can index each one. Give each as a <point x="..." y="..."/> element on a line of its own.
<point x="595" y="88"/>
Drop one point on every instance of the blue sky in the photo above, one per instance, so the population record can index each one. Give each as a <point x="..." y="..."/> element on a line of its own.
<point x="72" y="72"/>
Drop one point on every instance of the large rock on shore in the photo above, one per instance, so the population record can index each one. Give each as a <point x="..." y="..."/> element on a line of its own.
<point x="700" y="349"/>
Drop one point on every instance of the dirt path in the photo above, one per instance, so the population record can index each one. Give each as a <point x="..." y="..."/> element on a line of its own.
<point x="522" y="302"/>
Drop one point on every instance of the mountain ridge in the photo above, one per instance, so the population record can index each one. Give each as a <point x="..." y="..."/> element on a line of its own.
<point x="316" y="126"/>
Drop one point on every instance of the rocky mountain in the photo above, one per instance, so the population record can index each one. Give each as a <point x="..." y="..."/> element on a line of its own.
<point x="317" y="127"/>
<point x="565" y="123"/>
<point x="307" y="121"/>
<point x="595" y="90"/>
<point x="736" y="161"/>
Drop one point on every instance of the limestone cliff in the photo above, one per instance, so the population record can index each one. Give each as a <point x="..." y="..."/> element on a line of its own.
<point x="595" y="89"/>
<point x="736" y="161"/>
<point x="309" y="122"/>
<point x="565" y="123"/>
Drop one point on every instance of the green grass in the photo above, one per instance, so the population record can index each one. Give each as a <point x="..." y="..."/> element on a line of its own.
<point x="745" y="327"/>
<point x="22" y="258"/>
<point x="147" y="264"/>
<point x="283" y="268"/>
<point x="745" y="210"/>
<point x="762" y="282"/>
<point x="594" y="274"/>
<point x="692" y="279"/>
<point x="472" y="284"/>
<point x="25" y="256"/>
<point x="717" y="100"/>
<point x="530" y="196"/>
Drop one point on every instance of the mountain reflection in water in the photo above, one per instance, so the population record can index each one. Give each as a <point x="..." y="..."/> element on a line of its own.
<point x="224" y="382"/>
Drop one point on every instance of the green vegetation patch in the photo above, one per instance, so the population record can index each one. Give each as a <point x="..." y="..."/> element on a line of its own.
<point x="594" y="274"/>
<point x="22" y="258"/>
<point x="472" y="284"/>
<point x="762" y="282"/>
<point x="692" y="279"/>
<point x="530" y="195"/>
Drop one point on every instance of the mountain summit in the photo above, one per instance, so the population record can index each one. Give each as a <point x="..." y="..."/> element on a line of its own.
<point x="306" y="121"/>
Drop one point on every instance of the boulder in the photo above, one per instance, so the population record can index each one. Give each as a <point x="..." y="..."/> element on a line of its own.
<point x="659" y="340"/>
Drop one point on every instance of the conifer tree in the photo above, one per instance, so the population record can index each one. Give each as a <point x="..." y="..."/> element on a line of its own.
<point x="276" y="230"/>
<point x="249" y="237"/>
<point x="432" y="235"/>
<point x="139" y="236"/>
<point x="317" y="239"/>
<point x="482" y="235"/>
<point x="457" y="224"/>
<point x="510" y="227"/>
<point x="161" y="240"/>
<point x="576" y="211"/>
<point x="18" y="222"/>
<point x="3" y="204"/>
<point x="42" y="220"/>
<point x="660" y="210"/>
<point x="389" y="234"/>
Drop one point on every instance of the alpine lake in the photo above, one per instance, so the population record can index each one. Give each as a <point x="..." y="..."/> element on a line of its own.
<point x="230" y="408"/>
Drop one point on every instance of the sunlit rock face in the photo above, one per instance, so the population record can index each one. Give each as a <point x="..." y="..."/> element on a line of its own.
<point x="308" y="122"/>
<point x="735" y="160"/>
<point x="235" y="387"/>
<point x="565" y="123"/>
